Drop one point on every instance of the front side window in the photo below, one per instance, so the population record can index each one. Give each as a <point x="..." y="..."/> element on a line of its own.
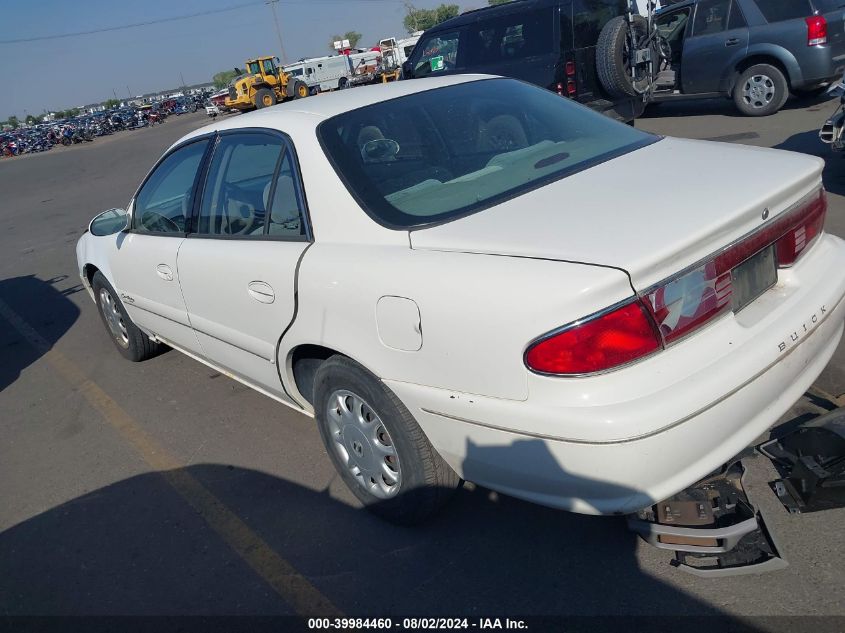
<point x="439" y="154"/>
<point x="236" y="195"/>
<point x="163" y="204"/>
<point x="254" y="68"/>
<point x="437" y="53"/>
<point x="269" y="68"/>
<point x="780" y="10"/>
<point x="711" y="16"/>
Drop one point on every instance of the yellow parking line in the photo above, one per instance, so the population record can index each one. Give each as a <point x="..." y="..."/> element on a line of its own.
<point x="293" y="587"/>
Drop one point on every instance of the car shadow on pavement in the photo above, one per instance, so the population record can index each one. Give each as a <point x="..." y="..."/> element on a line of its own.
<point x="25" y="303"/>
<point x="146" y="546"/>
<point x="724" y="107"/>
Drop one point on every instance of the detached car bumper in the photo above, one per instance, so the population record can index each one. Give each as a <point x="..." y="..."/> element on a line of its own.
<point x="616" y="443"/>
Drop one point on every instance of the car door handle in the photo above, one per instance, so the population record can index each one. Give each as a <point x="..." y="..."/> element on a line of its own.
<point x="732" y="42"/>
<point x="165" y="272"/>
<point x="261" y="292"/>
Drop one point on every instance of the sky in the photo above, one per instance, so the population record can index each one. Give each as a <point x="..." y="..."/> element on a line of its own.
<point x="61" y="73"/>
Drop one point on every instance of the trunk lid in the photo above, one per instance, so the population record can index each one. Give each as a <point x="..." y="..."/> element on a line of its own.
<point x="651" y="213"/>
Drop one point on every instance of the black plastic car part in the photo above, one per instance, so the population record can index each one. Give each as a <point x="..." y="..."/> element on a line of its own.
<point x="811" y="462"/>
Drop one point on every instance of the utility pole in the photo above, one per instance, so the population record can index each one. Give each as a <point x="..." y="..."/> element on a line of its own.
<point x="128" y="92"/>
<point x="272" y="4"/>
<point x="183" y="81"/>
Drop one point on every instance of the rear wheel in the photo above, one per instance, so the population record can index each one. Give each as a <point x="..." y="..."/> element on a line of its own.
<point x="131" y="342"/>
<point x="761" y="90"/>
<point x="376" y="445"/>
<point x="264" y="98"/>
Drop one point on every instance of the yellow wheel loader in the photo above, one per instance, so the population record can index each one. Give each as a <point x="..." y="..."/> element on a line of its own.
<point x="263" y="85"/>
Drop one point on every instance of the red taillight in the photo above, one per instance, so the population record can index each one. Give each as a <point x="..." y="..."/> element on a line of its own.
<point x="816" y="30"/>
<point x="560" y="89"/>
<point x="676" y="306"/>
<point x="570" y="69"/>
<point x="596" y="344"/>
<point x="802" y="230"/>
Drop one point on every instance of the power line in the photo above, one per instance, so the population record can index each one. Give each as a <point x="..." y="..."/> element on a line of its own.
<point x="174" y="19"/>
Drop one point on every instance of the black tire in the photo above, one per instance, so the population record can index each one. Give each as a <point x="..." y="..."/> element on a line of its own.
<point x="135" y="346"/>
<point x="264" y="98"/>
<point x="342" y="83"/>
<point x="760" y="90"/>
<point x="613" y="60"/>
<point x="425" y="481"/>
<point x="300" y="89"/>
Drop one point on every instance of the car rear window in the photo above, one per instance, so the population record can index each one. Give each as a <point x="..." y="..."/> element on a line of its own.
<point x="510" y="37"/>
<point x="823" y="6"/>
<point x="440" y="154"/>
<point x="780" y="10"/>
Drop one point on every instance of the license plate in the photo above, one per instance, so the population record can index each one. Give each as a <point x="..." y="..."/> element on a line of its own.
<point x="753" y="277"/>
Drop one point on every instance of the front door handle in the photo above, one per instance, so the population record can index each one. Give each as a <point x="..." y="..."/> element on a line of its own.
<point x="165" y="272"/>
<point x="732" y="42"/>
<point x="261" y="291"/>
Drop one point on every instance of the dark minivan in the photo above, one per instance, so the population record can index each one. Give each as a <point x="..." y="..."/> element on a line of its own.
<point x="550" y="43"/>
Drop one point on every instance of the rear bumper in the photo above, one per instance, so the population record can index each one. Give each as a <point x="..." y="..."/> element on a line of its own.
<point x="620" y="442"/>
<point x="818" y="64"/>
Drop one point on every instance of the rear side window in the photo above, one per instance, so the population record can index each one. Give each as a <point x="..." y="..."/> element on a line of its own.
<point x="780" y="10"/>
<point x="590" y="16"/>
<point x="509" y="37"/>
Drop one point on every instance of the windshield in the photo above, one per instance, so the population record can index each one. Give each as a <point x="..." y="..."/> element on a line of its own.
<point x="440" y="154"/>
<point x="254" y="68"/>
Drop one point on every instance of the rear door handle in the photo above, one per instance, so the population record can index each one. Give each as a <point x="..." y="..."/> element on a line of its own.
<point x="732" y="42"/>
<point x="165" y="272"/>
<point x="261" y="291"/>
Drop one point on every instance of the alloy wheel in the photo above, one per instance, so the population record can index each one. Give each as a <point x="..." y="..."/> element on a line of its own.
<point x="363" y="444"/>
<point x="114" y="318"/>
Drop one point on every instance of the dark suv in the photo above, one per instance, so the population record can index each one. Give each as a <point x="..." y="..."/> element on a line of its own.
<point x="755" y="51"/>
<point x="551" y="43"/>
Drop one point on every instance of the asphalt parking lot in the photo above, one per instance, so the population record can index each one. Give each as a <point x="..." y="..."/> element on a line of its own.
<point x="165" y="488"/>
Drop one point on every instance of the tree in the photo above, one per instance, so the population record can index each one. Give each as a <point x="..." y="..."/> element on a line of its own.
<point x="494" y="3"/>
<point x="111" y="103"/>
<point x="353" y="36"/>
<point x="224" y="78"/>
<point x="13" y="122"/>
<point x="32" y="120"/>
<point x="422" y="19"/>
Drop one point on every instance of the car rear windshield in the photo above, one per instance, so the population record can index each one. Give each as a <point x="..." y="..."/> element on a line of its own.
<point x="780" y="10"/>
<point x="824" y="6"/>
<point x="441" y="154"/>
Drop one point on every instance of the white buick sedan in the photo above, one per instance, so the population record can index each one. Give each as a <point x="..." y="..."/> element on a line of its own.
<point x="471" y="277"/>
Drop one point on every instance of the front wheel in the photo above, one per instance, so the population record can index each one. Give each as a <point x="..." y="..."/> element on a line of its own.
<point x="376" y="445"/>
<point x="130" y="341"/>
<point x="264" y="98"/>
<point x="761" y="90"/>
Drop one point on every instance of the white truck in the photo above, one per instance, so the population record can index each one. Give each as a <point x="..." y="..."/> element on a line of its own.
<point x="322" y="73"/>
<point x="396" y="51"/>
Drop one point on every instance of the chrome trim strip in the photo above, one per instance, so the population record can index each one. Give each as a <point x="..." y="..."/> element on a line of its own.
<point x="545" y="436"/>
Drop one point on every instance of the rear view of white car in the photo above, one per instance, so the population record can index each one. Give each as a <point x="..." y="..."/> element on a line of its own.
<point x="470" y="277"/>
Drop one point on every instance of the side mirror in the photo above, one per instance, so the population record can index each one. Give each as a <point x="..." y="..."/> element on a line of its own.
<point x="109" y="222"/>
<point x="407" y="70"/>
